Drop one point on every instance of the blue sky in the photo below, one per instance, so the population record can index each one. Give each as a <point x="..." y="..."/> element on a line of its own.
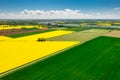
<point x="86" y="7"/>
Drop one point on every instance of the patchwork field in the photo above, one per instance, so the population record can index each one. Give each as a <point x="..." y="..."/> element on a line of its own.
<point x="115" y="33"/>
<point x="81" y="36"/>
<point x="97" y="59"/>
<point x="43" y="61"/>
<point x="18" y="51"/>
<point x="14" y="54"/>
<point x="34" y="37"/>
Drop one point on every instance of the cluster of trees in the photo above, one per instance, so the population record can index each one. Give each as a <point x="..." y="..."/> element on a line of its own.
<point x="18" y="22"/>
<point x="41" y="39"/>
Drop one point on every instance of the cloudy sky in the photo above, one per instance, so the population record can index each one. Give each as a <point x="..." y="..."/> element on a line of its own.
<point x="59" y="9"/>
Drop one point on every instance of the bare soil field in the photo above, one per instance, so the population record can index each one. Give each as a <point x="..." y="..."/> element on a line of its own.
<point x="16" y="31"/>
<point x="115" y="33"/>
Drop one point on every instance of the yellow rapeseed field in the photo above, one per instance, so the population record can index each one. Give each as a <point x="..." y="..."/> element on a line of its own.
<point x="3" y="27"/>
<point x="3" y="38"/>
<point x="9" y="27"/>
<point x="104" y="24"/>
<point x="116" y="23"/>
<point x="14" y="54"/>
<point x="44" y="35"/>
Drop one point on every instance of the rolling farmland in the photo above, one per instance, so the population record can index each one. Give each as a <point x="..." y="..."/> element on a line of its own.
<point x="97" y="59"/>
<point x="61" y="57"/>
<point x="59" y="39"/>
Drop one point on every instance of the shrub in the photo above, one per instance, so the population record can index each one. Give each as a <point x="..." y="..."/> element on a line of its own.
<point x="41" y="39"/>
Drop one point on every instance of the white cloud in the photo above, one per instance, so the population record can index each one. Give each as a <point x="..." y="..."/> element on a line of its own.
<point x="117" y="8"/>
<point x="61" y="14"/>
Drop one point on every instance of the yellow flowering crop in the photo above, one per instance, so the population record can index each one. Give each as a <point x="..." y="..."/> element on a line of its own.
<point x="117" y="23"/>
<point x="14" y="54"/>
<point x="3" y="38"/>
<point x="2" y="27"/>
<point x="44" y="35"/>
<point x="104" y="24"/>
<point x="28" y="26"/>
<point x="9" y="27"/>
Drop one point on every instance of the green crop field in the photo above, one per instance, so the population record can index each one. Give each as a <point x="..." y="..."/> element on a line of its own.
<point x="97" y="59"/>
<point x="81" y="36"/>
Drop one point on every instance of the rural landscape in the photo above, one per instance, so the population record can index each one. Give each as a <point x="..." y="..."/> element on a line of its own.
<point x="60" y="40"/>
<point x="37" y="52"/>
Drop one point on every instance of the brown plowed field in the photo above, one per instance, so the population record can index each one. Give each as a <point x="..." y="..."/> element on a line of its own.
<point x="115" y="33"/>
<point x="15" y="31"/>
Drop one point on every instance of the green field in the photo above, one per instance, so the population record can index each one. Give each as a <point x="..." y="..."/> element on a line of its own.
<point x="81" y="36"/>
<point x="97" y="59"/>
